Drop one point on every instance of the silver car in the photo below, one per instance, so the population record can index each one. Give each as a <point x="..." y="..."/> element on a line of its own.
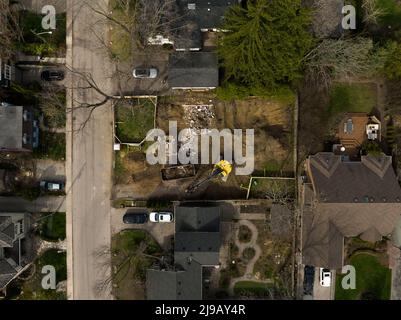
<point x="145" y="73"/>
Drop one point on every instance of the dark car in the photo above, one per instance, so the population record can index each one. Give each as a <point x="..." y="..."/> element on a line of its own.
<point x="52" y="186"/>
<point x="309" y="278"/>
<point x="52" y="75"/>
<point x="135" y="218"/>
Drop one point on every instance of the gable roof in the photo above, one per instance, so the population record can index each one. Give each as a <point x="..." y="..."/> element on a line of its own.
<point x="11" y="127"/>
<point x="336" y="213"/>
<point x="178" y="284"/>
<point x="193" y="70"/>
<point x="370" y="180"/>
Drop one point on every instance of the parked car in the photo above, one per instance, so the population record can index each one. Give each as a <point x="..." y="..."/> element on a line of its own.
<point x="309" y="278"/>
<point x="325" y="277"/>
<point x="52" y="75"/>
<point x="145" y="73"/>
<point x="135" y="218"/>
<point x="161" y="216"/>
<point x="52" y="186"/>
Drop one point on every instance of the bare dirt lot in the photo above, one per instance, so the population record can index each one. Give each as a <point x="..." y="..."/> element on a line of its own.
<point x="272" y="122"/>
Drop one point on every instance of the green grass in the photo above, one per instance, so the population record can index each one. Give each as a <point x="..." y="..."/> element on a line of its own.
<point x="392" y="16"/>
<point x="251" y="288"/>
<point x="351" y="98"/>
<point x="32" y="288"/>
<point x="52" y="226"/>
<point x="372" y="278"/>
<point x="51" y="146"/>
<point x="133" y="120"/>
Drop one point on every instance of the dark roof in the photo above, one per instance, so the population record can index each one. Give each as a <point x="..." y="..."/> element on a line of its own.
<point x="193" y="70"/>
<point x="11" y="127"/>
<point x="175" y="285"/>
<point x="205" y="219"/>
<point x="370" y="180"/>
<point x="209" y="14"/>
<point x="336" y="214"/>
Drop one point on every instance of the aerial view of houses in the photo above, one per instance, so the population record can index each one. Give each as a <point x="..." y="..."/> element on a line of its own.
<point x="200" y="150"/>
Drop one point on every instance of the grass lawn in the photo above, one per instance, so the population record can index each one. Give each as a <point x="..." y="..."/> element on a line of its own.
<point x="52" y="226"/>
<point x="51" y="146"/>
<point x="252" y="288"/>
<point x="129" y="264"/>
<point x="351" y="98"/>
<point x="134" y="119"/>
<point x="392" y="16"/>
<point x="32" y="288"/>
<point x="373" y="280"/>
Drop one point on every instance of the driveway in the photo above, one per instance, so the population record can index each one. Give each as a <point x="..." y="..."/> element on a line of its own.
<point x="42" y="204"/>
<point x="161" y="232"/>
<point x="50" y="170"/>
<point x="133" y="86"/>
<point x="320" y="292"/>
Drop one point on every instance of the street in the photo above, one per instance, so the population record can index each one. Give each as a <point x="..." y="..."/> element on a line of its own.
<point x="89" y="159"/>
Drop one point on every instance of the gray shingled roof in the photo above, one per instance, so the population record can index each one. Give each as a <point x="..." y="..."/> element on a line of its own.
<point x="11" y="127"/>
<point x="193" y="70"/>
<point x="175" y="285"/>
<point x="6" y="232"/>
<point x="7" y="273"/>
<point x="197" y="219"/>
<point x="370" y="180"/>
<point x="336" y="215"/>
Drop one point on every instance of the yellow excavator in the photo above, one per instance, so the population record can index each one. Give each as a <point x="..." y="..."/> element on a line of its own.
<point x="222" y="170"/>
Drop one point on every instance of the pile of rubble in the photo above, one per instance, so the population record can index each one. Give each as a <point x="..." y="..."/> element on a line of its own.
<point x="198" y="116"/>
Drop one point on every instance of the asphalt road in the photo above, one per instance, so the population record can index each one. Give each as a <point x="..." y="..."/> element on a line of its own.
<point x="89" y="159"/>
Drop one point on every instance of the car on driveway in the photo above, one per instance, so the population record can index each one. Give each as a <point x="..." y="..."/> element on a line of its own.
<point x="161" y="217"/>
<point x="52" y="186"/>
<point x="145" y="73"/>
<point x="52" y="75"/>
<point x="135" y="218"/>
<point x="309" y="278"/>
<point x="325" y="277"/>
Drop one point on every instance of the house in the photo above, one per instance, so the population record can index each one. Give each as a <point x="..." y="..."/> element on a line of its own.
<point x="13" y="227"/>
<point x="347" y="199"/>
<point x="197" y="245"/>
<point x="193" y="71"/>
<point x="19" y="132"/>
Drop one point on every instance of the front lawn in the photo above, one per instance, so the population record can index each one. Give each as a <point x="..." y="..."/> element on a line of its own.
<point x="373" y="279"/>
<point x="51" y="146"/>
<point x="351" y="98"/>
<point x="132" y="252"/>
<point x="52" y="226"/>
<point x="134" y="119"/>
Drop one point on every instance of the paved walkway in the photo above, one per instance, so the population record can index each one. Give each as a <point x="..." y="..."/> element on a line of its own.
<point x="248" y="275"/>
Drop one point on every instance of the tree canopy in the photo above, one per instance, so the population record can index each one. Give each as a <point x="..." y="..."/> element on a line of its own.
<point x="265" y="43"/>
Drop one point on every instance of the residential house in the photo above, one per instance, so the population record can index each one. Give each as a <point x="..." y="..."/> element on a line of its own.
<point x="197" y="245"/>
<point x="13" y="228"/>
<point x="193" y="71"/>
<point x="19" y="131"/>
<point x="347" y="199"/>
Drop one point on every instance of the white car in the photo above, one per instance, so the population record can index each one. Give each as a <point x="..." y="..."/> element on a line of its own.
<point x="161" y="217"/>
<point x="145" y="73"/>
<point x="325" y="277"/>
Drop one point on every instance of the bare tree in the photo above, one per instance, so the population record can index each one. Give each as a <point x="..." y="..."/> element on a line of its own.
<point x="10" y="31"/>
<point x="371" y="11"/>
